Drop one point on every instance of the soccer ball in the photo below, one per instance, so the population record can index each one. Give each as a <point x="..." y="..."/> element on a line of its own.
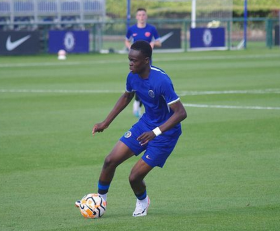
<point x="92" y="206"/>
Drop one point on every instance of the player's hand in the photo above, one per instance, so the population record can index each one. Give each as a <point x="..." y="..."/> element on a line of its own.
<point x="99" y="127"/>
<point x="146" y="137"/>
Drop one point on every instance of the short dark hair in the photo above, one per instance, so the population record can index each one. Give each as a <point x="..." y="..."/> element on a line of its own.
<point x="141" y="9"/>
<point x="144" y="47"/>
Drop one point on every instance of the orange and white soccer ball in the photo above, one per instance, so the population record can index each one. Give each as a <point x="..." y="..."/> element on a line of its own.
<point x="92" y="206"/>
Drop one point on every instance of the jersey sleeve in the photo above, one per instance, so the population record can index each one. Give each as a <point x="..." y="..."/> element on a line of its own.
<point x="128" y="34"/>
<point x="168" y="92"/>
<point x="155" y="33"/>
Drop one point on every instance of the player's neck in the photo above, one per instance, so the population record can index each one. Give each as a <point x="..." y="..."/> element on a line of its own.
<point x="145" y="73"/>
<point x="141" y="25"/>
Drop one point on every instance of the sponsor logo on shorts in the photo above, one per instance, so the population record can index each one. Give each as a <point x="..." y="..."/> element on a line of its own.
<point x="151" y="94"/>
<point x="148" y="157"/>
<point x="127" y="134"/>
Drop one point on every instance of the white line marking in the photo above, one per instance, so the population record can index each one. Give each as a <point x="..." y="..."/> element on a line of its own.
<point x="265" y="91"/>
<point x="57" y="91"/>
<point x="185" y="105"/>
<point x="59" y="63"/>
<point x="97" y="62"/>
<point x="230" y="107"/>
<point x="180" y="93"/>
<point x="220" y="57"/>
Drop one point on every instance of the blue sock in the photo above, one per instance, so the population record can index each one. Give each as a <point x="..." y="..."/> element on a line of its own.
<point x="141" y="196"/>
<point x="103" y="187"/>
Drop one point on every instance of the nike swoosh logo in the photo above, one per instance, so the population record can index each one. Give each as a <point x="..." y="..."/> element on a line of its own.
<point x="165" y="37"/>
<point x="12" y="45"/>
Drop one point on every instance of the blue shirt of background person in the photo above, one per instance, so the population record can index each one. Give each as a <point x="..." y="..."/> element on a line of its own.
<point x="147" y="33"/>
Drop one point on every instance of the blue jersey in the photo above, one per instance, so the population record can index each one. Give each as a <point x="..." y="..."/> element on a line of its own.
<point x="147" y="33"/>
<point x="156" y="93"/>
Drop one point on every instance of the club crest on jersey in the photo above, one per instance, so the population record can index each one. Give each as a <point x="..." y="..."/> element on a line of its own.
<point x="127" y="134"/>
<point x="147" y="34"/>
<point x="151" y="94"/>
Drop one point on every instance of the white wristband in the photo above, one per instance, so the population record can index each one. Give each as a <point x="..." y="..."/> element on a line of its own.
<point x="157" y="131"/>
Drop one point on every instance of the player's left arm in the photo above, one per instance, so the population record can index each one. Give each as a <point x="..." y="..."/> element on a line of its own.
<point x="156" y="42"/>
<point x="179" y="115"/>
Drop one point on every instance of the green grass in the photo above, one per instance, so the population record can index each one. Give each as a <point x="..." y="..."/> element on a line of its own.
<point x="223" y="174"/>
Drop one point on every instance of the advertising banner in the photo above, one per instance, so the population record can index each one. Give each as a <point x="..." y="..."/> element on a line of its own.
<point x="207" y="38"/>
<point x="170" y="38"/>
<point x="70" y="41"/>
<point x="19" y="42"/>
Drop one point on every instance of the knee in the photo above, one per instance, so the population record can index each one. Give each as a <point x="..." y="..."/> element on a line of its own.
<point x="109" y="162"/>
<point x="133" y="178"/>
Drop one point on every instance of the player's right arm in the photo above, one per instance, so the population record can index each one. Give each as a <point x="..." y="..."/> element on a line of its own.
<point x="127" y="43"/>
<point x="123" y="101"/>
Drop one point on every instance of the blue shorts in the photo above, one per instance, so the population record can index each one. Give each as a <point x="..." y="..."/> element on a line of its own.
<point x="157" y="150"/>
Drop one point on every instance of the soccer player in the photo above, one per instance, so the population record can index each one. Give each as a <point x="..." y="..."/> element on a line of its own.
<point x="157" y="131"/>
<point x="141" y="31"/>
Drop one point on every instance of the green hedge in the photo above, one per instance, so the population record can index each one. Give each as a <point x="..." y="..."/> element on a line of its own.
<point x="159" y="9"/>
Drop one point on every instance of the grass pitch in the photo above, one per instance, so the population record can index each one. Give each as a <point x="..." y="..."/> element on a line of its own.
<point x="223" y="174"/>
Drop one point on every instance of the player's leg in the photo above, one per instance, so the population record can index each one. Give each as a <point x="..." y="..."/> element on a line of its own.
<point x="137" y="175"/>
<point x="136" y="179"/>
<point x="119" y="154"/>
<point x="156" y="154"/>
<point x="127" y="146"/>
<point x="137" y="107"/>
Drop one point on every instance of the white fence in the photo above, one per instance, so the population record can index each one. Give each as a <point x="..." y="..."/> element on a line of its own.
<point x="37" y="11"/>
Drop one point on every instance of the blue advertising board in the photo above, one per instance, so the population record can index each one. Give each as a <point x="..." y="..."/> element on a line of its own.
<point x="70" y="41"/>
<point x="207" y="38"/>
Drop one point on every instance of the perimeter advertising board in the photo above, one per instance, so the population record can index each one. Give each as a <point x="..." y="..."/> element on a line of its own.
<point x="70" y="41"/>
<point x="207" y="38"/>
<point x="19" y="42"/>
<point x="170" y="38"/>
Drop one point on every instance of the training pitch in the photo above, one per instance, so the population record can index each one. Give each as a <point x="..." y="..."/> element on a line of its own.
<point x="223" y="175"/>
